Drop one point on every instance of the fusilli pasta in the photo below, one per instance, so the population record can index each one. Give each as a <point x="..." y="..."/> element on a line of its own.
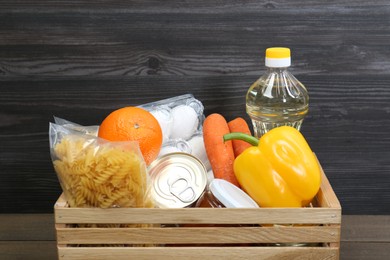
<point x="100" y="174"/>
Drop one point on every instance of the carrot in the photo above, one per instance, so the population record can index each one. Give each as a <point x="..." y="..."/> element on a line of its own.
<point x="219" y="153"/>
<point x="239" y="125"/>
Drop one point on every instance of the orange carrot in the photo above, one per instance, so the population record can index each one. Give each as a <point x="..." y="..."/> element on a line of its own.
<point x="220" y="153"/>
<point x="239" y="125"/>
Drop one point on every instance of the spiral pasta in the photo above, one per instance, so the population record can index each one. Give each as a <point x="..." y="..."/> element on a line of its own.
<point x="103" y="175"/>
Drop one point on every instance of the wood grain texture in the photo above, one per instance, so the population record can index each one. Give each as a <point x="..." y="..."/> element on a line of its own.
<point x="81" y="59"/>
<point x="197" y="253"/>
<point x="363" y="251"/>
<point x="347" y="132"/>
<point x="362" y="237"/>
<point x="34" y="250"/>
<point x="18" y="227"/>
<point x="194" y="235"/>
<point x="373" y="229"/>
<point x="199" y="215"/>
<point x="192" y="39"/>
<point x="187" y="241"/>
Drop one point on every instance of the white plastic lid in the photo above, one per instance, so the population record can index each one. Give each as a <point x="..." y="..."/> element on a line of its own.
<point x="230" y="195"/>
<point x="277" y="57"/>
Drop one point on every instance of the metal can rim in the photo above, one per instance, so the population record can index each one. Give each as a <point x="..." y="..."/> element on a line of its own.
<point x="178" y="180"/>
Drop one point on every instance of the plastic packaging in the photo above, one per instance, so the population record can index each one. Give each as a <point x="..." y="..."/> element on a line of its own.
<point x="181" y="119"/>
<point x="174" y="146"/>
<point x="165" y="119"/>
<point x="88" y="130"/>
<point x="277" y="98"/>
<point x="96" y="173"/>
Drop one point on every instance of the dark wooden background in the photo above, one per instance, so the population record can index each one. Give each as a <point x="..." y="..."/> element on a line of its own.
<point x="82" y="59"/>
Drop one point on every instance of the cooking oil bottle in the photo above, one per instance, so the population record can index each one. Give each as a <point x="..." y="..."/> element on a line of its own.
<point x="277" y="98"/>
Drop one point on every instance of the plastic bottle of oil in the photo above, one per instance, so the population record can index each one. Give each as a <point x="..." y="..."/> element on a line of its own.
<point x="277" y="98"/>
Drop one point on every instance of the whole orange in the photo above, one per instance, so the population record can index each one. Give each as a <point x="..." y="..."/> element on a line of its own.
<point x="134" y="124"/>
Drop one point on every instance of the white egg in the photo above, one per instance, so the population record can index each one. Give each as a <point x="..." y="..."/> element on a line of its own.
<point x="199" y="151"/>
<point x="185" y="122"/>
<point x="164" y="118"/>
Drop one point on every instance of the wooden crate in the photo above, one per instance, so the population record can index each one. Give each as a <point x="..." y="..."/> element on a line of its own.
<point x="202" y="233"/>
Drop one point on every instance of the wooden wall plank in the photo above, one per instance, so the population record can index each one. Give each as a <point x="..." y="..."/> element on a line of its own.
<point x="178" y="6"/>
<point x="324" y="39"/>
<point x="81" y="59"/>
<point x="349" y="133"/>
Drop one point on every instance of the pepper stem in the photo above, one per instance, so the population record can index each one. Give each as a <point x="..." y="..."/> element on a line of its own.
<point x="241" y="136"/>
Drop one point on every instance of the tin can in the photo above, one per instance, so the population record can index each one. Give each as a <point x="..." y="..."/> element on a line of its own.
<point x="178" y="180"/>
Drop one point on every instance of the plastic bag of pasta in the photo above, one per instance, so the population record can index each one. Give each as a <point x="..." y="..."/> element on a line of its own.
<point x="96" y="173"/>
<point x="89" y="130"/>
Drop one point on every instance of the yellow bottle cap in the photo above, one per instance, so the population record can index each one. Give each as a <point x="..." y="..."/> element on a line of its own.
<point x="277" y="52"/>
<point x="277" y="57"/>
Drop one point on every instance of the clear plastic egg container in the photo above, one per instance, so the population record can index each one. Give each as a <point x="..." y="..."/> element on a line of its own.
<point x="181" y="119"/>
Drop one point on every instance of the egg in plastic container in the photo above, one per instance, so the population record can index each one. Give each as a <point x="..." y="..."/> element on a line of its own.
<point x="181" y="119"/>
<point x="174" y="146"/>
<point x="165" y="119"/>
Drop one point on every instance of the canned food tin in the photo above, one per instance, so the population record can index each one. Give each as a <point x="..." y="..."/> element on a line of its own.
<point x="178" y="180"/>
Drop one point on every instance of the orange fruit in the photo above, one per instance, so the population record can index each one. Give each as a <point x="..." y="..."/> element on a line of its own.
<point x="134" y="124"/>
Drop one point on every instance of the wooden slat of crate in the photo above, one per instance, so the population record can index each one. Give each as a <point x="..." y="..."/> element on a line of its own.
<point x="198" y="235"/>
<point x="199" y="216"/>
<point x="216" y="253"/>
<point x="327" y="198"/>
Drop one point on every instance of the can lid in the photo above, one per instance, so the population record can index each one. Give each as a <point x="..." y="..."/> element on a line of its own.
<point x="230" y="195"/>
<point x="178" y="180"/>
<point x="277" y="57"/>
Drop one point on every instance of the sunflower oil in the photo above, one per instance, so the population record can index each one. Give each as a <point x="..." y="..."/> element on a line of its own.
<point x="277" y="98"/>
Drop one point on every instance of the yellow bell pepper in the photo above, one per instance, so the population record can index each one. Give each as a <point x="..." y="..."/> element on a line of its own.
<point x="280" y="170"/>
